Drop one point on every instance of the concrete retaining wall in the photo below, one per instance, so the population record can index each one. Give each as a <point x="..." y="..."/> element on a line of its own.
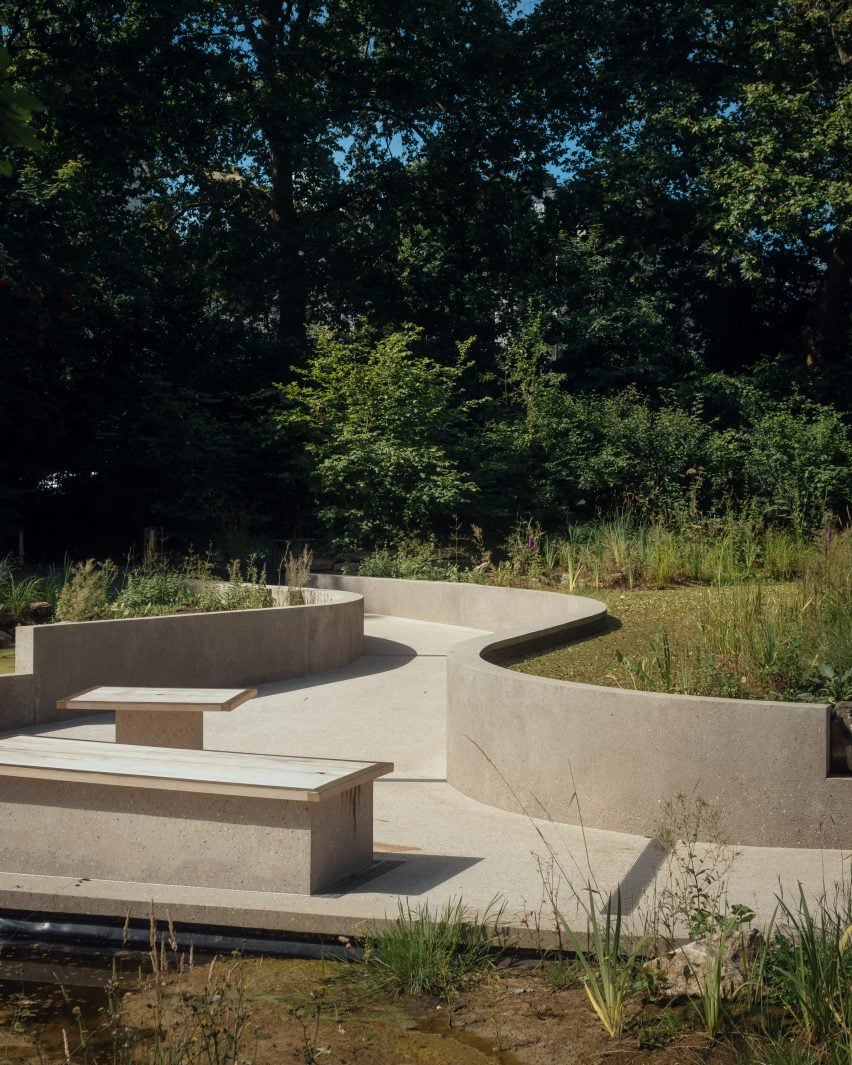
<point x="473" y="606"/>
<point x="233" y="648"/>
<point x="610" y="756"/>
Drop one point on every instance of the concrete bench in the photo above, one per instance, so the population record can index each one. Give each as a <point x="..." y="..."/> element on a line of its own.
<point x="216" y="819"/>
<point x="159" y="717"/>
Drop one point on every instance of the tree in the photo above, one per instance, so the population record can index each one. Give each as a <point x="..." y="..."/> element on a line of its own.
<point x="716" y="139"/>
<point x="385" y="429"/>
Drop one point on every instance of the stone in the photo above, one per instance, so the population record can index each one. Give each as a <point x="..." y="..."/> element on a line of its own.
<point x="841" y="738"/>
<point x="41" y="611"/>
<point x="683" y="970"/>
<point x="6" y="639"/>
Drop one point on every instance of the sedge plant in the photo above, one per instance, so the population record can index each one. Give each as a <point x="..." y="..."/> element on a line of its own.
<point x="608" y="966"/>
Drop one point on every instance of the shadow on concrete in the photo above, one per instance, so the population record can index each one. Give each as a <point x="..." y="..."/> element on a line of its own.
<point x="362" y="667"/>
<point x="403" y="874"/>
<point x="379" y="645"/>
<point x="636" y="880"/>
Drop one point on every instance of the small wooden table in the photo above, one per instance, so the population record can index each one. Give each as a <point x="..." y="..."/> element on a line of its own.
<point x="158" y="717"/>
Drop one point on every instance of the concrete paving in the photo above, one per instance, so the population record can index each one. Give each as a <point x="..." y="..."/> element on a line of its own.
<point x="432" y="844"/>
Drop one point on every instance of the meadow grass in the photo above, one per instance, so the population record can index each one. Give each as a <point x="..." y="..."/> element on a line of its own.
<point x="761" y="639"/>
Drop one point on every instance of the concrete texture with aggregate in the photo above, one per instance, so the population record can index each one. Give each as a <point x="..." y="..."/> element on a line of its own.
<point x="432" y="844"/>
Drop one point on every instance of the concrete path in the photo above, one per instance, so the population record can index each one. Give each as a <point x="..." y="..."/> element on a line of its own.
<point x="433" y="844"/>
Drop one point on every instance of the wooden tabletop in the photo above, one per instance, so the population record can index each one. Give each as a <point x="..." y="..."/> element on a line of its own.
<point x="184" y="699"/>
<point x="214" y="772"/>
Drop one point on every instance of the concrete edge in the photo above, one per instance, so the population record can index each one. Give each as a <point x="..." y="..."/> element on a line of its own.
<point x="609" y="757"/>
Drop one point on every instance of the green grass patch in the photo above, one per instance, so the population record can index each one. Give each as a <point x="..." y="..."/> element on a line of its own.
<point x="7" y="660"/>
<point x="425" y="953"/>
<point x="762" y="641"/>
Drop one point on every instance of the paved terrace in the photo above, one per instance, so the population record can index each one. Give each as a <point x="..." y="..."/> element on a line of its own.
<point x="432" y="844"/>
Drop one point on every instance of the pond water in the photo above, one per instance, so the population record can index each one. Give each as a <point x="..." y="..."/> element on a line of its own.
<point x="84" y="1005"/>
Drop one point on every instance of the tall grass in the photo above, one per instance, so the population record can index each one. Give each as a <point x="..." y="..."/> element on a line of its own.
<point x="617" y="552"/>
<point x="424" y="953"/>
<point x="812" y="969"/>
<point x="18" y="593"/>
<point x="609" y="966"/>
<point x="791" y="641"/>
<point x="95" y="590"/>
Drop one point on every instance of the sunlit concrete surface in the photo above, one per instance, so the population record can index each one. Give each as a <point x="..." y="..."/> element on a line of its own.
<point x="432" y="844"/>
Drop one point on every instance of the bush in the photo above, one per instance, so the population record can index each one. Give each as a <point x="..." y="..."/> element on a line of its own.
<point x="385" y="426"/>
<point x="85" y="597"/>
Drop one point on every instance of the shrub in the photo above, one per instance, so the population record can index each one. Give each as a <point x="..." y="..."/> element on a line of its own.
<point x="156" y="588"/>
<point x="85" y="597"/>
<point x="384" y="425"/>
<point x="410" y="559"/>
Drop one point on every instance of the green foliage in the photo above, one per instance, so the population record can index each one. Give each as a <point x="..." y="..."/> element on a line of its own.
<point x="159" y="587"/>
<point x="17" y="595"/>
<point x="86" y="596"/>
<point x="244" y="591"/>
<point x="16" y="107"/>
<point x="610" y="965"/>
<point x="155" y="588"/>
<point x="384" y="424"/>
<point x="409" y="559"/>
<point x="647" y="232"/>
<point x="811" y="970"/>
<point x="791" y="642"/>
<point x="422" y="953"/>
<point x="563" y="974"/>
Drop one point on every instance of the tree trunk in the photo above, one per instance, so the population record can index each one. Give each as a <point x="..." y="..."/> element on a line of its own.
<point x="290" y="266"/>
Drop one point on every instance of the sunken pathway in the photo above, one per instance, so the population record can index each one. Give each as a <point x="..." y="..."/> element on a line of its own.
<point x="432" y="844"/>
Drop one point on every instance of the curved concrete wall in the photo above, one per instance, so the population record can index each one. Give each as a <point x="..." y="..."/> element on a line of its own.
<point x="233" y="648"/>
<point x="474" y="606"/>
<point x="608" y="756"/>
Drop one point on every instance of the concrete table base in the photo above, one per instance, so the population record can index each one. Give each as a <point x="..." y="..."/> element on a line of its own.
<point x="175" y="729"/>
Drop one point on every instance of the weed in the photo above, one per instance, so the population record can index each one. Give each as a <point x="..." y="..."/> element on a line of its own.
<point x="425" y="954"/>
<point x="409" y="559"/>
<point x="694" y="889"/>
<point x="609" y="973"/>
<point x="86" y="596"/>
<point x="812" y="968"/>
<point x="298" y="569"/>
<point x="563" y="974"/>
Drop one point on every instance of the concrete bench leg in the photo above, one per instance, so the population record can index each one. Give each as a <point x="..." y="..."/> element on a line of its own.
<point x="159" y="728"/>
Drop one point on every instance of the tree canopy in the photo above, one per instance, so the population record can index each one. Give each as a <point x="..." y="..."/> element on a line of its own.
<point x="242" y="246"/>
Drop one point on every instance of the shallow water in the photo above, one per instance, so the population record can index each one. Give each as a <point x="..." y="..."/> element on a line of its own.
<point x="82" y="1005"/>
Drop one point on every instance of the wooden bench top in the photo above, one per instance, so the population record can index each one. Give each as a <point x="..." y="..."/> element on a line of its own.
<point x="270" y="776"/>
<point x="130" y="698"/>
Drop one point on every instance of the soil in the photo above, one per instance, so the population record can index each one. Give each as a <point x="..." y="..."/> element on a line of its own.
<point x="269" y="1012"/>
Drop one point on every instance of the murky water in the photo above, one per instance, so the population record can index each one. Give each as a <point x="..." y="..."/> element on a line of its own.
<point x="82" y="1005"/>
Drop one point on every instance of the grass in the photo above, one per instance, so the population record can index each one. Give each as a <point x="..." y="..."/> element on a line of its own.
<point x="95" y="590"/>
<point x="609" y="969"/>
<point x="424" y="954"/>
<point x="764" y="641"/>
<point x="7" y="660"/>
<point x="264" y="1011"/>
<point x="726" y="607"/>
<point x="618" y="552"/>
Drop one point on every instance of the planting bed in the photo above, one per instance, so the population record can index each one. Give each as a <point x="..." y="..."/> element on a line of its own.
<point x="636" y="624"/>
